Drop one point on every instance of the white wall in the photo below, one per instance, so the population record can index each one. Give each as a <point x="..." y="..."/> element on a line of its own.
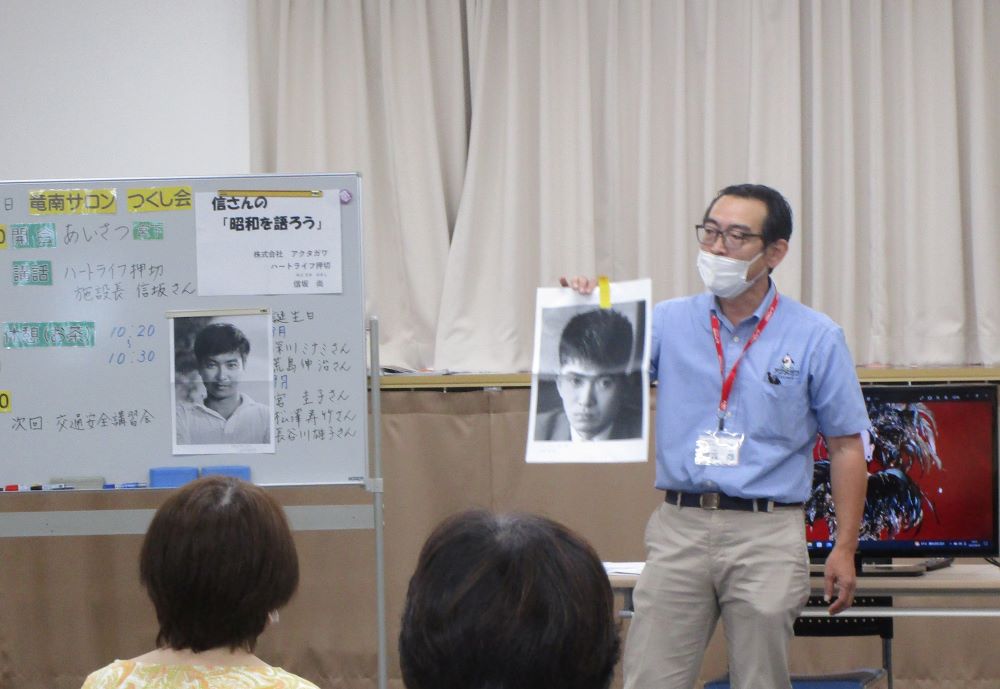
<point x="123" y="88"/>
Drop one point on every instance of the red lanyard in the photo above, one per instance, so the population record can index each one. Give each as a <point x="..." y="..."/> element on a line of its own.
<point x="727" y="381"/>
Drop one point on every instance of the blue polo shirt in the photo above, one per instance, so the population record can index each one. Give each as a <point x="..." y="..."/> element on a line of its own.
<point x="796" y="379"/>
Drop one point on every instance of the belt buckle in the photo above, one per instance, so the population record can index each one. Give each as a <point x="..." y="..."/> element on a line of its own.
<point x="709" y="501"/>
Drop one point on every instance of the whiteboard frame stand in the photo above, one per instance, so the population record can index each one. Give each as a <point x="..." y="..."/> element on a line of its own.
<point x="375" y="487"/>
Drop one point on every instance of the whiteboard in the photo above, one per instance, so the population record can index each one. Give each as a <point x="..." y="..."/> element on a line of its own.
<point x="95" y="273"/>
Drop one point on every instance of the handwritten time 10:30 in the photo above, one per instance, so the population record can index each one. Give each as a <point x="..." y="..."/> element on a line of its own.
<point x="140" y="353"/>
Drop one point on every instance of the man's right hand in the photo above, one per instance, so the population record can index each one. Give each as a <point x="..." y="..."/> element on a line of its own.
<point x="579" y="283"/>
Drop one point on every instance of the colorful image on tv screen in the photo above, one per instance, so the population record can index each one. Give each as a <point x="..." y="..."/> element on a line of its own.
<point x="931" y="472"/>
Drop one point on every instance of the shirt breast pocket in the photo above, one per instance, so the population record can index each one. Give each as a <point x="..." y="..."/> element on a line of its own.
<point x="781" y="410"/>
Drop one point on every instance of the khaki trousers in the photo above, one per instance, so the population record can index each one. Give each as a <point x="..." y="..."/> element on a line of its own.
<point x="749" y="567"/>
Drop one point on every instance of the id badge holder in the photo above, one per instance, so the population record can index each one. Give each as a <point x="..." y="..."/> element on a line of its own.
<point x="718" y="448"/>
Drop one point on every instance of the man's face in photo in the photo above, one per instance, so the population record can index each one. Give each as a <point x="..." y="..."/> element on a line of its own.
<point x="221" y="374"/>
<point x="591" y="396"/>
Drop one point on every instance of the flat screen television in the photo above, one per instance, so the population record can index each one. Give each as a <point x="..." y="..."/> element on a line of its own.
<point x="932" y="453"/>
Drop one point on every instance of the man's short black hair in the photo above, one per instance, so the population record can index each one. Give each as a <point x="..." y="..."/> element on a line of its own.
<point x="600" y="336"/>
<point x="217" y="558"/>
<point x="508" y="602"/>
<point x="219" y="338"/>
<point x="778" y="223"/>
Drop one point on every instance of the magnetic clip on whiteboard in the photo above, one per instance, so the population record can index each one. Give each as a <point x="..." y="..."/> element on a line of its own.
<point x="219" y="312"/>
<point x="288" y="193"/>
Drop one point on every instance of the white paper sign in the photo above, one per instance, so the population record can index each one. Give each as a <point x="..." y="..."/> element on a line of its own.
<point x="264" y="244"/>
<point x="590" y="376"/>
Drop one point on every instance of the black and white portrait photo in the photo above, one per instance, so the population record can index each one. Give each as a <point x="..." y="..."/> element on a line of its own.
<point x="590" y="377"/>
<point x="222" y="384"/>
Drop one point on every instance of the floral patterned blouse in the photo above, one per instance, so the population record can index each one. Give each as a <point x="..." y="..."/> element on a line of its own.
<point x="128" y="674"/>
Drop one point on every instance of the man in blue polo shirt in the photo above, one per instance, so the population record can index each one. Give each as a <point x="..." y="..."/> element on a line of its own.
<point x="746" y="378"/>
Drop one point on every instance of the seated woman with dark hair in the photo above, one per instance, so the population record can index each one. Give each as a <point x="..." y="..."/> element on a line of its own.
<point x="508" y="602"/>
<point x="218" y="561"/>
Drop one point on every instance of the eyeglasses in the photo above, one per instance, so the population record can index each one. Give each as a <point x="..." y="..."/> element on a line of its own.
<point x="732" y="237"/>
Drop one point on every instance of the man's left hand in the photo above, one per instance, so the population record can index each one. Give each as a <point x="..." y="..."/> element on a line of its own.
<point x="840" y="578"/>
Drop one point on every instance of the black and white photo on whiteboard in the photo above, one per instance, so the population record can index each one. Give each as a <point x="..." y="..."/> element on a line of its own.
<point x="222" y="384"/>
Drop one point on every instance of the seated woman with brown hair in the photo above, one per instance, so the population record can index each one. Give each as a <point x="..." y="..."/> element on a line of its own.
<point x="508" y="602"/>
<point x="218" y="561"/>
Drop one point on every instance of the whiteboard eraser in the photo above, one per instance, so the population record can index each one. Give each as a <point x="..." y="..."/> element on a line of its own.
<point x="80" y="482"/>
<point x="171" y="477"/>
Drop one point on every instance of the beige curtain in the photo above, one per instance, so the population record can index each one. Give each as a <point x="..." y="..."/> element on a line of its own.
<point x="378" y="88"/>
<point x="506" y="143"/>
<point x="902" y="163"/>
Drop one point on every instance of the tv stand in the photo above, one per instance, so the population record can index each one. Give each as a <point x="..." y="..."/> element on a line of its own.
<point x="885" y="567"/>
<point x="888" y="569"/>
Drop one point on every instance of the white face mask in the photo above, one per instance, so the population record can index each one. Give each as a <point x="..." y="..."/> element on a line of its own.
<point x="726" y="277"/>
